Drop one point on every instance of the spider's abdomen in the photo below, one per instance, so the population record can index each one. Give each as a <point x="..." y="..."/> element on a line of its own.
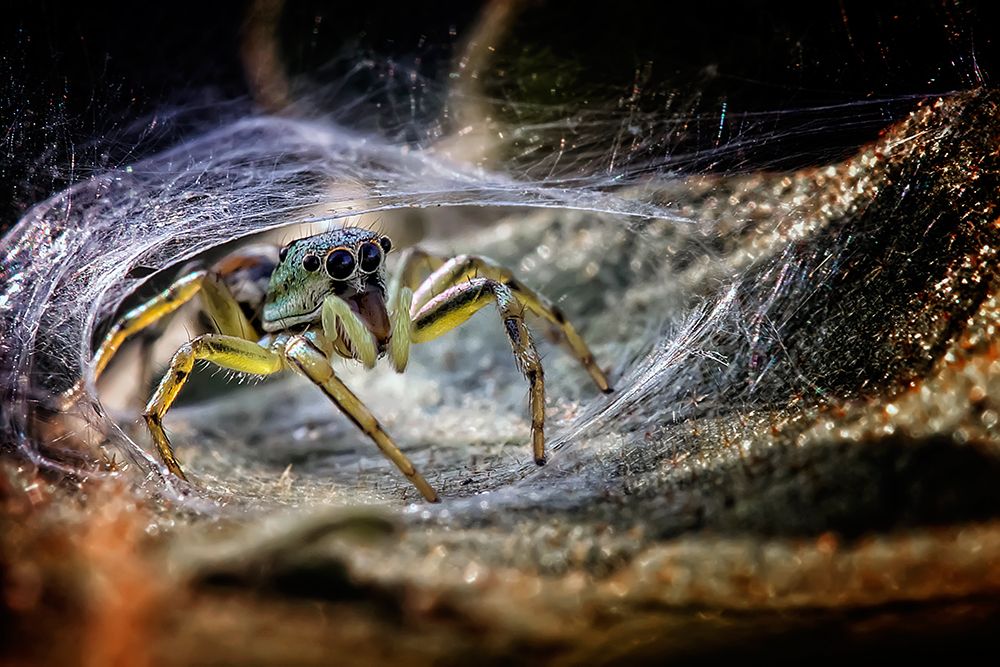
<point x="247" y="273"/>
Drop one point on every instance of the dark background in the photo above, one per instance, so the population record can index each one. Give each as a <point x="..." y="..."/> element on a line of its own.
<point x="84" y="87"/>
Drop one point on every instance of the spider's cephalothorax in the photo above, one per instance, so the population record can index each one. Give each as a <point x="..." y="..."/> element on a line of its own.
<point x="327" y="295"/>
<point x="347" y="263"/>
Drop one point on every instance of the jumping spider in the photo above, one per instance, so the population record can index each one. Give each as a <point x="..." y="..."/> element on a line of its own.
<point x="325" y="296"/>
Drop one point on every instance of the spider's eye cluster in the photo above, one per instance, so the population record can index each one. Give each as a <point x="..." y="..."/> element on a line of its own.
<point x="369" y="257"/>
<point x="340" y="264"/>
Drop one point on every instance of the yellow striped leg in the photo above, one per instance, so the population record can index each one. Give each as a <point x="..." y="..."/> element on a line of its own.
<point x="226" y="351"/>
<point x="457" y="304"/>
<point x="222" y="309"/>
<point x="465" y="267"/>
<point x="140" y="317"/>
<point x="311" y="361"/>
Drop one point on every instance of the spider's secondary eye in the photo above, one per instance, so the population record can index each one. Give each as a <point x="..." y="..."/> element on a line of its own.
<point x="311" y="263"/>
<point x="340" y="264"/>
<point x="283" y="253"/>
<point x="369" y="257"/>
<point x="386" y="244"/>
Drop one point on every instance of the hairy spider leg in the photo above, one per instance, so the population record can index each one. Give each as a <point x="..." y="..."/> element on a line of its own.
<point x="414" y="263"/>
<point x="457" y="304"/>
<point x="464" y="267"/>
<point x="224" y="310"/>
<point x="145" y="340"/>
<point x="249" y="357"/>
<point x="217" y="301"/>
<point x="230" y="352"/>
<point x="304" y="355"/>
<point x="166" y="302"/>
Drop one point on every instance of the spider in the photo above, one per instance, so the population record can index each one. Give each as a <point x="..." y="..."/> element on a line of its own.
<point x="326" y="296"/>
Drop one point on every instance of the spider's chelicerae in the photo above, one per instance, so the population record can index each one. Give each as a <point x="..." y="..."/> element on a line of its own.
<point x="326" y="296"/>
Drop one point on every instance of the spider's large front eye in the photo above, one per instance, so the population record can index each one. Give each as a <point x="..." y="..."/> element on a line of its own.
<point x="369" y="257"/>
<point x="340" y="264"/>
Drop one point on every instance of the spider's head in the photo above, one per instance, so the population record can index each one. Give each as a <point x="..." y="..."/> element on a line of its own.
<point x="348" y="262"/>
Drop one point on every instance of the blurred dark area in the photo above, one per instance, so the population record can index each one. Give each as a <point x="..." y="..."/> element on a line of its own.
<point x="81" y="85"/>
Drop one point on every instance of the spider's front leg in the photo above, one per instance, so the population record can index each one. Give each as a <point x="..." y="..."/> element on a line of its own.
<point x="457" y="304"/>
<point x="226" y="351"/>
<point x="304" y="355"/>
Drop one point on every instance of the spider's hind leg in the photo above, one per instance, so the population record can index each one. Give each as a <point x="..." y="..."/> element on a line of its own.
<point x="457" y="304"/>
